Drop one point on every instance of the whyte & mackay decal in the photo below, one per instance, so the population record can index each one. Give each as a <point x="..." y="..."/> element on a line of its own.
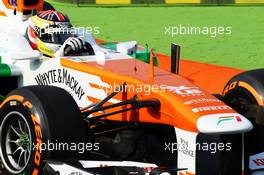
<point x="60" y="76"/>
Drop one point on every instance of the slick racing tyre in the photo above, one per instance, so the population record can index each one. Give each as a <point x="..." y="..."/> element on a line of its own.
<point x="33" y="117"/>
<point x="245" y="93"/>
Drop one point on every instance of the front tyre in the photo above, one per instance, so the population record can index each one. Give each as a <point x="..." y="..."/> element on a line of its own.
<point x="30" y="119"/>
<point x="245" y="94"/>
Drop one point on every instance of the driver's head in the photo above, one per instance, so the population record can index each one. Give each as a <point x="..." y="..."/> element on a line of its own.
<point x="48" y="30"/>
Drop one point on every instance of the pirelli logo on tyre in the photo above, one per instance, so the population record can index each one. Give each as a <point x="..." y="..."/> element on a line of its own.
<point x="38" y="132"/>
<point x="230" y="87"/>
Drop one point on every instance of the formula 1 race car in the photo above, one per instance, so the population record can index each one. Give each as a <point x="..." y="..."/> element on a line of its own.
<point x="110" y="110"/>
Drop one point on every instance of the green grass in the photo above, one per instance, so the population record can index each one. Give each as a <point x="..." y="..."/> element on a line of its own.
<point x="242" y="49"/>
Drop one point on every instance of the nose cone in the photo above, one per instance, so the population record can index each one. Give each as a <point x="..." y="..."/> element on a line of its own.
<point x="223" y="123"/>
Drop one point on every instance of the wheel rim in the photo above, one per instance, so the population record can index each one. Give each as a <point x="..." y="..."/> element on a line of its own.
<point x="16" y="142"/>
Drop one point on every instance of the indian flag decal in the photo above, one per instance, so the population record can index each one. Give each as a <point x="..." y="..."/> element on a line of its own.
<point x="228" y="118"/>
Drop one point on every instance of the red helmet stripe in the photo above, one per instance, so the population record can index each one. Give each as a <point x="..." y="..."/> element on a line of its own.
<point x="44" y="13"/>
<point x="60" y="16"/>
<point x="50" y="16"/>
<point x="31" y="32"/>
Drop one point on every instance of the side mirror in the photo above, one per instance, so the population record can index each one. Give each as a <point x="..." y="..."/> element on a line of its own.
<point x="128" y="48"/>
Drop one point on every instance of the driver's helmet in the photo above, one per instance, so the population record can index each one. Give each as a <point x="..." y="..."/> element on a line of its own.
<point x="47" y="31"/>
